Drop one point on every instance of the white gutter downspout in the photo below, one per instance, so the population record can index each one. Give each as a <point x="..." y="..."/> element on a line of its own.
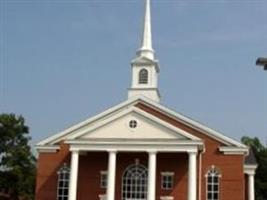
<point x="200" y="174"/>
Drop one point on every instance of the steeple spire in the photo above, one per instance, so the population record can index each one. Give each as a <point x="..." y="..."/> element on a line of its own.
<point x="145" y="68"/>
<point x="146" y="48"/>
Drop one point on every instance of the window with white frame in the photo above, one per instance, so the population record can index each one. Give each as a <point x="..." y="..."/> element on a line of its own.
<point x="63" y="183"/>
<point x="213" y="183"/>
<point x="134" y="183"/>
<point x="103" y="179"/>
<point x="143" y="76"/>
<point x="167" y="180"/>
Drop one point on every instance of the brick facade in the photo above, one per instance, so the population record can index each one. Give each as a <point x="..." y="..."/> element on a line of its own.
<point x="232" y="182"/>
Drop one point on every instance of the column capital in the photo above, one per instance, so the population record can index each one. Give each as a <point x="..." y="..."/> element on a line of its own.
<point x="112" y="151"/>
<point x="192" y="152"/>
<point x="250" y="169"/>
<point x="251" y="173"/>
<point x="152" y="151"/>
<point x="75" y="151"/>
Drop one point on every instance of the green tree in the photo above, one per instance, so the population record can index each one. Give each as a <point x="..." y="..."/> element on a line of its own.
<point x="17" y="163"/>
<point x="260" y="152"/>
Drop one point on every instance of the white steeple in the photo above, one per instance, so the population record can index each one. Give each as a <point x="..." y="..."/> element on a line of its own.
<point x="145" y="67"/>
<point x="146" y="46"/>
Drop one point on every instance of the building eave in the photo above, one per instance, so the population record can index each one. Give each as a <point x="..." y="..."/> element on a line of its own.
<point x="141" y="99"/>
<point x="233" y="150"/>
<point x="47" y="148"/>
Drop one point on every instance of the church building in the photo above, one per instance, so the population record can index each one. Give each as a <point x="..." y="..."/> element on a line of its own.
<point x="141" y="150"/>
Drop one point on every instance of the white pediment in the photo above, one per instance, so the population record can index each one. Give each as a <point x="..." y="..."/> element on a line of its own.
<point x="106" y="119"/>
<point x="148" y="127"/>
<point x="145" y="129"/>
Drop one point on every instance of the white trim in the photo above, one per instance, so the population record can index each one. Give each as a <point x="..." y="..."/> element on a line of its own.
<point x="142" y="113"/>
<point x="141" y="60"/>
<point x="200" y="175"/>
<point x="189" y="122"/>
<point x="47" y="149"/>
<point x="123" y="142"/>
<point x="213" y="171"/>
<point x="166" y="198"/>
<point x="165" y="174"/>
<point x="102" y="196"/>
<point x="250" y="169"/>
<point x="103" y="173"/>
<point x="65" y="171"/>
<point x="127" y="170"/>
<point x="234" y="150"/>
<point x="196" y="125"/>
<point x="52" y="138"/>
<point x="126" y="146"/>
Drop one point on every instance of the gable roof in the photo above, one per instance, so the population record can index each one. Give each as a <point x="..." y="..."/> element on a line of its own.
<point x="141" y="99"/>
<point x="134" y="110"/>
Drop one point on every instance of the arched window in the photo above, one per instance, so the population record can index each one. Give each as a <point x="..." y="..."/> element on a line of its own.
<point x="134" y="182"/>
<point x="213" y="184"/>
<point x="143" y="76"/>
<point x="63" y="183"/>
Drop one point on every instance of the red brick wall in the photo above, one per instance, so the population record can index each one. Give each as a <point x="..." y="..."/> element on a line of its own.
<point x="47" y="166"/>
<point x="231" y="167"/>
<point x="90" y="166"/>
<point x="177" y="163"/>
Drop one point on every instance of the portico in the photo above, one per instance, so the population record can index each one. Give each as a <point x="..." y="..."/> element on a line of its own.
<point x="191" y="148"/>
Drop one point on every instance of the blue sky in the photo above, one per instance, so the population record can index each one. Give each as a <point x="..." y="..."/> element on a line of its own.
<point x="62" y="61"/>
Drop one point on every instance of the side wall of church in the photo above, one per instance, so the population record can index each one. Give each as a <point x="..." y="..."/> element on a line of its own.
<point x="230" y="166"/>
<point x="47" y="167"/>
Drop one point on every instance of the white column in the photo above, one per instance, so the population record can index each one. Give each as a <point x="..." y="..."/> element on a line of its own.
<point x="251" y="192"/>
<point x="73" y="175"/>
<point x="192" y="176"/>
<point x="152" y="168"/>
<point x="111" y="175"/>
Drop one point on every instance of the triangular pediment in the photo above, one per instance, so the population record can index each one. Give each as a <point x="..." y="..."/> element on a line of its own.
<point x="113" y="116"/>
<point x="147" y="127"/>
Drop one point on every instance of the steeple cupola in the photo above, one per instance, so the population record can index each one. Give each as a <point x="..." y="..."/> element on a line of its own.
<point x="145" y="67"/>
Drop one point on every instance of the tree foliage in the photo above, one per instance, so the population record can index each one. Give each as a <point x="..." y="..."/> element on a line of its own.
<point x="17" y="163"/>
<point x="260" y="152"/>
